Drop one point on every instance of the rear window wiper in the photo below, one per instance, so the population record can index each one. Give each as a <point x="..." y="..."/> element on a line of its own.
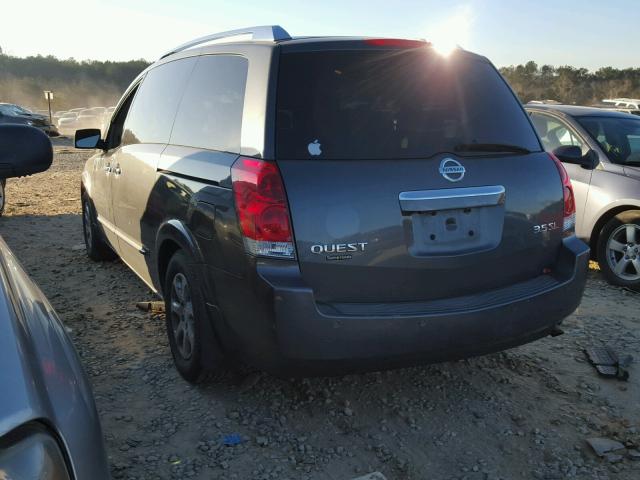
<point x="491" y="148"/>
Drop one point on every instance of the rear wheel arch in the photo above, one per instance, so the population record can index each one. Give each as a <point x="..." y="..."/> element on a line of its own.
<point x="174" y="241"/>
<point x="602" y="221"/>
<point x="172" y="236"/>
<point x="166" y="251"/>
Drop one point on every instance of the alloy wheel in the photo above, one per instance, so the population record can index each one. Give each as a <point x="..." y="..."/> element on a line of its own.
<point x="623" y="252"/>
<point x="182" y="322"/>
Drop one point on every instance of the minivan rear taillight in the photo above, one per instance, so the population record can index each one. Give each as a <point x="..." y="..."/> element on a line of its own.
<point x="569" y="224"/>
<point x="262" y="208"/>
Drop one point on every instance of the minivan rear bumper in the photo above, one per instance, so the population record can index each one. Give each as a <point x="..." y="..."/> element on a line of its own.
<point x="308" y="338"/>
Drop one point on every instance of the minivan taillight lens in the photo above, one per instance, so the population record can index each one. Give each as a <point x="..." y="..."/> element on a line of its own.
<point x="569" y="214"/>
<point x="261" y="205"/>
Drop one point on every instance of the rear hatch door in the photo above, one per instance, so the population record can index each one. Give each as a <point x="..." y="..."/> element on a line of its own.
<point x="411" y="176"/>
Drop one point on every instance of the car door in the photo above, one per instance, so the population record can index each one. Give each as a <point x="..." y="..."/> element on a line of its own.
<point x="102" y="172"/>
<point x="146" y="132"/>
<point x="555" y="132"/>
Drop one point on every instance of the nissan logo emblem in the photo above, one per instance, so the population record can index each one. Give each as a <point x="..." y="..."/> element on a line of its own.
<point x="451" y="169"/>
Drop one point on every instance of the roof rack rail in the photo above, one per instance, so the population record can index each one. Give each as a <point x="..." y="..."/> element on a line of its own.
<point x="265" y="33"/>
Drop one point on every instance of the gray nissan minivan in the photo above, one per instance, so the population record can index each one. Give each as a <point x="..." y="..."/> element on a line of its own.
<point x="327" y="205"/>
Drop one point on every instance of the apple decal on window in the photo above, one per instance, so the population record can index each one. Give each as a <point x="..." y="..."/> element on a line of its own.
<point x="314" y="148"/>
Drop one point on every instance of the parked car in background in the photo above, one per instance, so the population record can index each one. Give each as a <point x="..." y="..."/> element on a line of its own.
<point x="408" y="233"/>
<point x="613" y="108"/>
<point x="14" y="114"/>
<point x="58" y="115"/>
<point x="98" y="110"/>
<point x="78" y="118"/>
<point x="89" y="118"/>
<point x="67" y="123"/>
<point x="49" y="426"/>
<point x="601" y="152"/>
<point x="630" y="103"/>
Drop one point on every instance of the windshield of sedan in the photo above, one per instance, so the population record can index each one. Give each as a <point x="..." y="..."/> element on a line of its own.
<point x="618" y="137"/>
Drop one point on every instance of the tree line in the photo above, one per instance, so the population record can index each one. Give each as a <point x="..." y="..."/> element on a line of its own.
<point x="571" y="85"/>
<point x="100" y="83"/>
<point x="74" y="83"/>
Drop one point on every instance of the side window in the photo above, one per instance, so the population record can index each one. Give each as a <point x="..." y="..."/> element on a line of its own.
<point x="555" y="133"/>
<point x="154" y="107"/>
<point x="114" y="135"/>
<point x="210" y="113"/>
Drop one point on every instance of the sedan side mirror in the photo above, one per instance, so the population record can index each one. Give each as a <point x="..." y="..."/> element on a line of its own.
<point x="23" y="151"/>
<point x="88" y="138"/>
<point x="573" y="154"/>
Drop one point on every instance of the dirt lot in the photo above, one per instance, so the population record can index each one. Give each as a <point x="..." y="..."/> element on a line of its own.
<point x="521" y="414"/>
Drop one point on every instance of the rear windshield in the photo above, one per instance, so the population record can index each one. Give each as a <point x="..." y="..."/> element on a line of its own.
<point x="392" y="104"/>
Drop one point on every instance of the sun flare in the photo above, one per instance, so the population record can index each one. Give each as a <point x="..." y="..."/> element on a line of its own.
<point x="451" y="32"/>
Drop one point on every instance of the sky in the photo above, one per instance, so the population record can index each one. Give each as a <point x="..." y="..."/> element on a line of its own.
<point x="581" y="33"/>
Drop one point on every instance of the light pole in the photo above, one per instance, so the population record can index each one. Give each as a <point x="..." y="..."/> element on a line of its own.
<point x="48" y="94"/>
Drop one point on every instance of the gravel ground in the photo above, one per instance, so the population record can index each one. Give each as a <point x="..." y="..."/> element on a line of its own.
<point x="525" y="413"/>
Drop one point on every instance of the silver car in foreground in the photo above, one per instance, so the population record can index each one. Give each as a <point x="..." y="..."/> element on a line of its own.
<point x="601" y="152"/>
<point x="49" y="427"/>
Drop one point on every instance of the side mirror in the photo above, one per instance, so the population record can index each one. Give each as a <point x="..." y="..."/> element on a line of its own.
<point x="573" y="154"/>
<point x="23" y="151"/>
<point x="88" y="138"/>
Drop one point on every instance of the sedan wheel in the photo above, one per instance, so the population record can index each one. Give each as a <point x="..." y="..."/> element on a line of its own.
<point x="618" y="250"/>
<point x="623" y="252"/>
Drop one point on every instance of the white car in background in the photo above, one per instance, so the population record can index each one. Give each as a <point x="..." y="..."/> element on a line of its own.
<point x="630" y="103"/>
<point x="90" y="118"/>
<point x="66" y="123"/>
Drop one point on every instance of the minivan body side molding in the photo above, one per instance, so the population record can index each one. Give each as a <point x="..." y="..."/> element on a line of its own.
<point x="107" y="224"/>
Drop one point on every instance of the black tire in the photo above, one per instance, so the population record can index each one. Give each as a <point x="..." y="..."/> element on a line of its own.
<point x="624" y="230"/>
<point x="187" y="352"/>
<point x="3" y="184"/>
<point x="97" y="247"/>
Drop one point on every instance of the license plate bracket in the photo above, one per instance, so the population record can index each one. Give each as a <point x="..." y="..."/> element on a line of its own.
<point x="456" y="231"/>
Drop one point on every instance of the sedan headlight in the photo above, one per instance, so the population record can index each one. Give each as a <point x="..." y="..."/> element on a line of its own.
<point x="31" y="454"/>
